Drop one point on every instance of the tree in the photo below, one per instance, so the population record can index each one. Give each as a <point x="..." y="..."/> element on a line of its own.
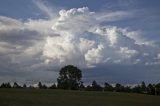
<point x="127" y="89"/>
<point x="6" y="85"/>
<point x="53" y="86"/>
<point x="44" y="86"/>
<point x="137" y="89"/>
<point x="69" y="77"/>
<point x="108" y="87"/>
<point x="119" y="87"/>
<point x="95" y="86"/>
<point x="157" y="89"/>
<point x="24" y="86"/>
<point x="81" y="86"/>
<point x="15" y="85"/>
<point x="151" y="89"/>
<point x="143" y="87"/>
<point x="40" y="86"/>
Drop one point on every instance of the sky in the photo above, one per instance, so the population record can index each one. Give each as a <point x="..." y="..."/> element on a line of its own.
<point x="115" y="41"/>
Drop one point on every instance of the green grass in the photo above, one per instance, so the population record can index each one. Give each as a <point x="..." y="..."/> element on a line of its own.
<point x="35" y="97"/>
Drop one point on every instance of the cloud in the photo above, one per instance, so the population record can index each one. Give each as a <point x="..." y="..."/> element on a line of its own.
<point x="75" y="36"/>
<point x="94" y="55"/>
<point x="113" y="16"/>
<point x="103" y="44"/>
<point x="44" y="8"/>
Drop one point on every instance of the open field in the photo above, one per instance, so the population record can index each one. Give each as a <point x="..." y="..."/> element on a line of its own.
<point x="33" y="97"/>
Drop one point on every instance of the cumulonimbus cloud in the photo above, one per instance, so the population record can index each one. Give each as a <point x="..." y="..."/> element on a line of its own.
<point x="76" y="36"/>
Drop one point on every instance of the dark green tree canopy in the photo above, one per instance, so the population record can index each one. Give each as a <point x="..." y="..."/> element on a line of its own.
<point x="95" y="86"/>
<point x="69" y="77"/>
<point x="40" y="85"/>
<point x="15" y="85"/>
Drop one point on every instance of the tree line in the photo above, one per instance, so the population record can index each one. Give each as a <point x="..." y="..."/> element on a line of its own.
<point x="70" y="79"/>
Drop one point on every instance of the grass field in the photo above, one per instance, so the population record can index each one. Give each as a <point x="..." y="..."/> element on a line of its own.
<point x="33" y="97"/>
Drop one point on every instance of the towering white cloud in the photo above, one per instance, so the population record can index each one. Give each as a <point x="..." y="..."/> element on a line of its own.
<point x="94" y="55"/>
<point x="83" y="41"/>
<point x="76" y="36"/>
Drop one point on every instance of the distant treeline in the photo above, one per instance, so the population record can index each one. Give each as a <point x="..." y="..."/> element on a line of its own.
<point x="70" y="79"/>
<point x="151" y="89"/>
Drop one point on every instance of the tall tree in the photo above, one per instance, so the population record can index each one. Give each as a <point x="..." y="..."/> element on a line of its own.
<point x="40" y="86"/>
<point x="15" y="85"/>
<point x="151" y="89"/>
<point x="143" y="87"/>
<point x="24" y="86"/>
<point x="95" y="86"/>
<point x="69" y="77"/>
